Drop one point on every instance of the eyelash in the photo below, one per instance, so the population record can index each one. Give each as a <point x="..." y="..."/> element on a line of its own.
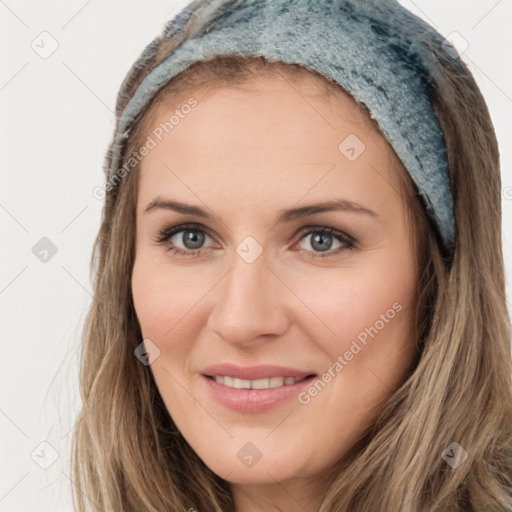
<point x="167" y="233"/>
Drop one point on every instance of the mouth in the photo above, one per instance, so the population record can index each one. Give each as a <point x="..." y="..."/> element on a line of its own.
<point x="254" y="389"/>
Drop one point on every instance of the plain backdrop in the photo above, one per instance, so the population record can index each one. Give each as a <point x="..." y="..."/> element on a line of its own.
<point x="56" y="120"/>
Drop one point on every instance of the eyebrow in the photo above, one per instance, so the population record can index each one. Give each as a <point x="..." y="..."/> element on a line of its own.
<point x="287" y="215"/>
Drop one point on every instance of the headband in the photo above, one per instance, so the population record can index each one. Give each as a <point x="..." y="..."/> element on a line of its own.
<point x="374" y="49"/>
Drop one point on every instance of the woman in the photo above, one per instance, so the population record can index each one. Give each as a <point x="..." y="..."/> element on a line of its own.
<point x="299" y="298"/>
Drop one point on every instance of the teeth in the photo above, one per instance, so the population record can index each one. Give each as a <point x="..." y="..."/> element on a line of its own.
<point x="272" y="382"/>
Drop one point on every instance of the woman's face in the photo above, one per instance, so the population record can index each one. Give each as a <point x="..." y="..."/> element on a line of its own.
<point x="282" y="301"/>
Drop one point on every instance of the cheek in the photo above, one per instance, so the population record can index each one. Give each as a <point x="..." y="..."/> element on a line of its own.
<point x="369" y="343"/>
<point x="163" y="302"/>
<point x="365" y="312"/>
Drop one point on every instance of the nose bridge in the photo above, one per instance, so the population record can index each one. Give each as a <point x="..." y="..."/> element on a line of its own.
<point x="249" y="301"/>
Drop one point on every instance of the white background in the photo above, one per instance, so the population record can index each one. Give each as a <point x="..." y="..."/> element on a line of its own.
<point x="56" y="120"/>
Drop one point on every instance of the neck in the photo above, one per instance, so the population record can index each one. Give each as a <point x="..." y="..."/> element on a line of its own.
<point x="290" y="496"/>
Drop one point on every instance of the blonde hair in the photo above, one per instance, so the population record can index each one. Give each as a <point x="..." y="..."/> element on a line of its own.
<point x="127" y="452"/>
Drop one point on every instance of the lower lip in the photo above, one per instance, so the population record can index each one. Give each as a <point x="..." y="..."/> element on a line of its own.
<point x="254" y="400"/>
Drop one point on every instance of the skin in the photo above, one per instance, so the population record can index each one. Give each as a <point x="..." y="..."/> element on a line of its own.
<point x="244" y="154"/>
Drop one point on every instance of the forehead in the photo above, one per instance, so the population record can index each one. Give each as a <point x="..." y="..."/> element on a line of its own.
<point x="269" y="131"/>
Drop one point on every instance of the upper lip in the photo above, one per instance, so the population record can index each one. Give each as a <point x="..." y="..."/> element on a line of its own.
<point x="254" y="372"/>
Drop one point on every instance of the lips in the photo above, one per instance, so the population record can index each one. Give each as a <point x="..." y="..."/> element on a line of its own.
<point x="254" y="400"/>
<point x="254" y="372"/>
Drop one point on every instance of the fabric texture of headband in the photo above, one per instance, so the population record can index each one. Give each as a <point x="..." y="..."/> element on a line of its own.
<point x="371" y="48"/>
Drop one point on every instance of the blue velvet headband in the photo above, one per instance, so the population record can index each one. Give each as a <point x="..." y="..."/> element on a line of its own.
<point x="371" y="48"/>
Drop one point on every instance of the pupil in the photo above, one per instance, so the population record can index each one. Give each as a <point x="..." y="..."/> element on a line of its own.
<point x="193" y="239"/>
<point x="321" y="239"/>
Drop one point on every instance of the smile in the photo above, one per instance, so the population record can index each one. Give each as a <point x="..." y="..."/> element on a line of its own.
<point x="254" y="400"/>
<point x="272" y="382"/>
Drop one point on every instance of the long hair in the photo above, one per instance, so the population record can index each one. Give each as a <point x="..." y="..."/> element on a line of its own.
<point x="128" y="455"/>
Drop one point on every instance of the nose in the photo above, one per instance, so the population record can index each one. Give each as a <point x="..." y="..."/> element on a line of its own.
<point x="250" y="304"/>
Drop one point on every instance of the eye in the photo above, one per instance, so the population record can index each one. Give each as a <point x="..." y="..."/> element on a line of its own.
<point x="191" y="237"/>
<point x="322" y="240"/>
